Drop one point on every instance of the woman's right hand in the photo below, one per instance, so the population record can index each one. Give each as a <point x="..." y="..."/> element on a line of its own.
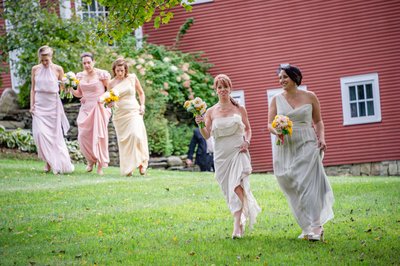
<point x="31" y="110"/>
<point x="199" y="119"/>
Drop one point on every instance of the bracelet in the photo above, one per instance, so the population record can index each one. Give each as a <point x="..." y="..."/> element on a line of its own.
<point x="248" y="141"/>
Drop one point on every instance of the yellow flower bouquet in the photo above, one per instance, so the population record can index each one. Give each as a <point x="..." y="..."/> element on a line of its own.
<point x="109" y="97"/>
<point x="196" y="106"/>
<point x="70" y="82"/>
<point x="283" y="126"/>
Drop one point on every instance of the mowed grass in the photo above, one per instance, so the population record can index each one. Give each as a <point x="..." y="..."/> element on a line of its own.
<point x="181" y="218"/>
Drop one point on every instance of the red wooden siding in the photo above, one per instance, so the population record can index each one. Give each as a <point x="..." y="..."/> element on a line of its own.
<point x="327" y="39"/>
<point x="5" y="75"/>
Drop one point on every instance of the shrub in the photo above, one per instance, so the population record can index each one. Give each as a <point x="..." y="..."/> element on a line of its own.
<point x="23" y="140"/>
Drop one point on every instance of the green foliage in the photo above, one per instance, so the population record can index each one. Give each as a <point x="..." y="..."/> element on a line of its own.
<point x="37" y="25"/>
<point x="17" y="139"/>
<point x="180" y="136"/>
<point x="125" y="15"/>
<point x="74" y="151"/>
<point x="23" y="140"/>
<point x="183" y="30"/>
<point x="158" y="136"/>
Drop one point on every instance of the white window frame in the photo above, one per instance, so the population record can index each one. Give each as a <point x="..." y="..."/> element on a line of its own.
<point x="238" y="95"/>
<point x="345" y="82"/>
<point x="196" y="2"/>
<point x="97" y="13"/>
<point x="65" y="9"/>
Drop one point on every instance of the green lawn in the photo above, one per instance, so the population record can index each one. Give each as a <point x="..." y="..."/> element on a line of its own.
<point x="181" y="218"/>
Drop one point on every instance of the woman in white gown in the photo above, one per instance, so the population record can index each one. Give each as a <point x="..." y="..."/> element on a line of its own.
<point x="298" y="162"/>
<point x="228" y="123"/>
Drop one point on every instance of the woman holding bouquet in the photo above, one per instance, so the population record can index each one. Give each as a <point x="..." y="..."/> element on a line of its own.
<point x="49" y="122"/>
<point x="128" y="120"/>
<point x="228" y="123"/>
<point x="298" y="161"/>
<point x="93" y="117"/>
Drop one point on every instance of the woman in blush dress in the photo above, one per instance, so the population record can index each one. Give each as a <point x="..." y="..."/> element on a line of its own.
<point x="228" y="123"/>
<point x="93" y="117"/>
<point x="298" y="162"/>
<point x="49" y="122"/>
<point x="128" y="120"/>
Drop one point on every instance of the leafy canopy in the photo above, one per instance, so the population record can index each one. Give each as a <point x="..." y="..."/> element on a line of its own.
<point x="127" y="15"/>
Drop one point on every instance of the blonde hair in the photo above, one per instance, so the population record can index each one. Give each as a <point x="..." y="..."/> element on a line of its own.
<point x="226" y="82"/>
<point x="45" y="50"/>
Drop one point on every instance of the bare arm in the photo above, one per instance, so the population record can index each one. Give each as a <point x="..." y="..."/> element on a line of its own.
<point x="33" y="89"/>
<point x="142" y="97"/>
<point x="318" y="122"/>
<point x="247" y="131"/>
<point x="60" y="72"/>
<point x="272" y="112"/>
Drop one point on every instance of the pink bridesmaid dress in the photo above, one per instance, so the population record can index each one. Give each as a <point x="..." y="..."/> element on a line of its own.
<point x="93" y="120"/>
<point x="49" y="122"/>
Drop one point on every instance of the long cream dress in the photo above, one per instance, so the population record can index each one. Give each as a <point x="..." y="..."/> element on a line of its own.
<point x="130" y="129"/>
<point x="299" y="170"/>
<point x="232" y="167"/>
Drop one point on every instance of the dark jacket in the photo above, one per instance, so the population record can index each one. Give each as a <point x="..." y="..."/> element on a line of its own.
<point x="201" y="151"/>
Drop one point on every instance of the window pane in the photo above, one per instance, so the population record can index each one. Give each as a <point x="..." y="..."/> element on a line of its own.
<point x="361" y="108"/>
<point x="368" y="88"/>
<point x="360" y="92"/>
<point x="353" y="108"/>
<point x="352" y="90"/>
<point x="370" y="107"/>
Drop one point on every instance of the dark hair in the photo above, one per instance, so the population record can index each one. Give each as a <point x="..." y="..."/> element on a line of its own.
<point x="293" y="72"/>
<point x="120" y="62"/>
<point x="87" y="54"/>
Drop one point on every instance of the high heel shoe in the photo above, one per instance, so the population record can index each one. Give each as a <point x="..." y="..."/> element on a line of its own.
<point x="47" y="168"/>
<point x="236" y="236"/>
<point x="142" y="170"/>
<point x="315" y="236"/>
<point x="89" y="167"/>
<point x="100" y="170"/>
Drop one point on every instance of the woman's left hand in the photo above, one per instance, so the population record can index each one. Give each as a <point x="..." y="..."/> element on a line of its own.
<point x="322" y="145"/>
<point x="244" y="147"/>
<point x="141" y="109"/>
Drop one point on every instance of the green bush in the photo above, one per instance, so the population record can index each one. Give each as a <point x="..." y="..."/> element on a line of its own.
<point x="180" y="136"/>
<point x="158" y="136"/>
<point x="17" y="139"/>
<point x="23" y="140"/>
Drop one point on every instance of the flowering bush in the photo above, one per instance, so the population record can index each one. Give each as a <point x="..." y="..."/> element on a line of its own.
<point x="169" y="78"/>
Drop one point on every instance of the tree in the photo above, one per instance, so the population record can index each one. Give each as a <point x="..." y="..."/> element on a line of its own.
<point x="127" y="15"/>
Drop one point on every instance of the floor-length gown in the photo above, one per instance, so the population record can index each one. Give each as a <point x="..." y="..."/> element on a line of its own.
<point x="130" y="128"/>
<point x="299" y="170"/>
<point x="232" y="167"/>
<point x="93" y="120"/>
<point x="49" y="122"/>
